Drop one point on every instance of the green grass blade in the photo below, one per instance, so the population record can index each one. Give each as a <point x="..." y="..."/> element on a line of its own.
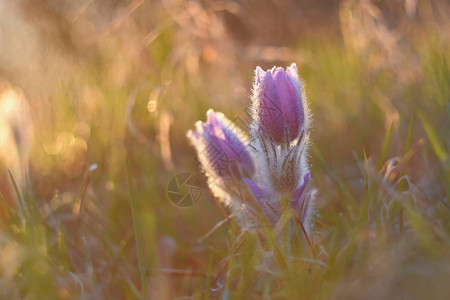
<point x="137" y="234"/>
<point x="385" y="148"/>
<point x="408" y="140"/>
<point x="434" y="139"/>
<point x="21" y="205"/>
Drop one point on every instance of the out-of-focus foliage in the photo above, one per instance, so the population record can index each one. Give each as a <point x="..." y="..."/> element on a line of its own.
<point x="88" y="85"/>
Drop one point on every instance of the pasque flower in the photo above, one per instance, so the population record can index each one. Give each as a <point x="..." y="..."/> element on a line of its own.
<point x="222" y="147"/>
<point x="278" y="105"/>
<point x="223" y="152"/>
<point x="275" y="171"/>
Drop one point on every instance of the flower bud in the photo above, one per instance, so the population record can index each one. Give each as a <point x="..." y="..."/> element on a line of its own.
<point x="278" y="104"/>
<point x="222" y="147"/>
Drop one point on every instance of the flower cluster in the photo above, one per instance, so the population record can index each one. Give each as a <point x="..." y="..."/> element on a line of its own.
<point x="267" y="173"/>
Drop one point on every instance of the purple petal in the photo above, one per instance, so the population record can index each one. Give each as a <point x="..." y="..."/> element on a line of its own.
<point x="271" y="211"/>
<point x="194" y="135"/>
<point x="259" y="75"/>
<point x="289" y="99"/>
<point x="292" y="71"/>
<point x="299" y="200"/>
<point x="269" y="111"/>
<point x="234" y="148"/>
<point x="258" y="192"/>
<point x="223" y="147"/>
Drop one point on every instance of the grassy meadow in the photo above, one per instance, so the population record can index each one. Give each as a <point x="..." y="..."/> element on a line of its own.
<point x="96" y="98"/>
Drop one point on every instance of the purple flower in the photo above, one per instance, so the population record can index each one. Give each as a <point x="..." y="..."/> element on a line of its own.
<point x="222" y="147"/>
<point x="278" y="103"/>
<point x="276" y="172"/>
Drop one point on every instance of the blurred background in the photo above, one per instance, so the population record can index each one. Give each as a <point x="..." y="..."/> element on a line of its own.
<point x="86" y="86"/>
